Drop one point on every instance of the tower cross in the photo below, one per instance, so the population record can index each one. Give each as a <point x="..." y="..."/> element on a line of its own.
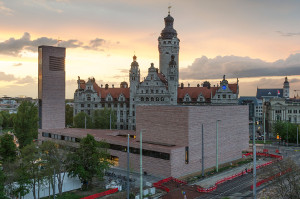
<point x="169" y="9"/>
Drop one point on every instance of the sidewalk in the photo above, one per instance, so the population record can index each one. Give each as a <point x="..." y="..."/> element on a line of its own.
<point x="210" y="181"/>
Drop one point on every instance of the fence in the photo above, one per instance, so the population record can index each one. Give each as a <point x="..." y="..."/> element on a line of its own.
<point x="160" y="186"/>
<point x="105" y="193"/>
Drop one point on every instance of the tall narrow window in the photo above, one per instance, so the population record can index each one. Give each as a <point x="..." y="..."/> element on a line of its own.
<point x="186" y="155"/>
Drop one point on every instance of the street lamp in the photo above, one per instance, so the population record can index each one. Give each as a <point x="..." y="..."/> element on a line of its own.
<point x="217" y="146"/>
<point x="141" y="165"/>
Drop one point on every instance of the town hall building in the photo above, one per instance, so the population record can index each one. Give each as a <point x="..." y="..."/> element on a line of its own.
<point x="160" y="86"/>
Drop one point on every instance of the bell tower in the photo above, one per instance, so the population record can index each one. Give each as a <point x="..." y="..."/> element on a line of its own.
<point x="168" y="45"/>
<point x="286" y="89"/>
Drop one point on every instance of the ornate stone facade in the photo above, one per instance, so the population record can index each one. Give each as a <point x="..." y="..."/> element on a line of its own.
<point x="159" y="87"/>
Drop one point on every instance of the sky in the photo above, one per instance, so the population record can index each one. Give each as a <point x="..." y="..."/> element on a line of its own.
<point x="257" y="41"/>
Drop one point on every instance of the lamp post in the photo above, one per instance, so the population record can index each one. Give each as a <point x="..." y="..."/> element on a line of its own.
<point x="141" y="165"/>
<point x="217" y="147"/>
<point x="297" y="135"/>
<point x="287" y="132"/>
<point x="254" y="161"/>
<point x="128" y="168"/>
<point x="202" y="140"/>
<point x="264" y="128"/>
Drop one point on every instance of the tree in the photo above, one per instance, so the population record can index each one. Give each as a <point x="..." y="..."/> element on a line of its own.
<point x="2" y="188"/>
<point x="281" y="128"/>
<point x="286" y="185"/>
<point x="101" y="119"/>
<point x="26" y="123"/>
<point x="79" y="120"/>
<point x="32" y="162"/>
<point x="89" y="160"/>
<point x="5" y="121"/>
<point x="69" y="115"/>
<point x="8" y="149"/>
<point x="55" y="158"/>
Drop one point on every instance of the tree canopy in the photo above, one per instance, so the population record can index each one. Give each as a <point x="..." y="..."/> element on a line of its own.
<point x="283" y="128"/>
<point x="79" y="121"/>
<point x="101" y="119"/>
<point x="89" y="160"/>
<point x="69" y="115"/>
<point x="26" y="123"/>
<point x="8" y="149"/>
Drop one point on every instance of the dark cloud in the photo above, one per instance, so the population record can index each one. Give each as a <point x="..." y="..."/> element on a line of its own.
<point x="234" y="66"/>
<point x="288" y="34"/>
<point x="14" y="46"/>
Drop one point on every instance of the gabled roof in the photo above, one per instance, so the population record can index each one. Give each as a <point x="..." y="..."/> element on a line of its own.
<point x="194" y="92"/>
<point x="261" y="93"/>
<point x="114" y="92"/>
<point x="162" y="78"/>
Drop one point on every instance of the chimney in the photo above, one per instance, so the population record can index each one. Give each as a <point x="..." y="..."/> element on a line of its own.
<point x="198" y="85"/>
<point x="106" y="86"/>
<point x="181" y="85"/>
<point x="113" y="86"/>
<point x="188" y="84"/>
<point x="101" y="85"/>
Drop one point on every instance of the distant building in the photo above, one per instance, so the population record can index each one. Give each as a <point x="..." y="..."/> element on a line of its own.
<point x="280" y="109"/>
<point x="51" y="82"/>
<point x="266" y="94"/>
<point x="159" y="87"/>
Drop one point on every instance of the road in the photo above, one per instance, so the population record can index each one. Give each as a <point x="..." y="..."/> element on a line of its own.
<point x="239" y="188"/>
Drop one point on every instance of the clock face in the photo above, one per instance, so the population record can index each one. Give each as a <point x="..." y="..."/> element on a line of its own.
<point x="224" y="87"/>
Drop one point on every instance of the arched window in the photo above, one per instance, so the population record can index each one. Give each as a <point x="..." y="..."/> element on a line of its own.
<point x="147" y="99"/>
<point x="142" y="99"/>
<point x="152" y="98"/>
<point x="162" y="99"/>
<point x="157" y="99"/>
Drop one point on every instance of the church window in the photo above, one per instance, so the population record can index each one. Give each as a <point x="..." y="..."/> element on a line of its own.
<point x="146" y="91"/>
<point x="289" y="111"/>
<point x="157" y="83"/>
<point x="278" y="111"/>
<point x="133" y="113"/>
<point x="142" y="99"/>
<point x="88" y="98"/>
<point x="224" y="96"/>
<point x="162" y="91"/>
<point x="157" y="99"/>
<point x="187" y="99"/>
<point x="167" y="53"/>
<point x="169" y="42"/>
<point x="156" y="91"/>
<point x="164" y="42"/>
<point x="219" y="96"/>
<point x="152" y="98"/>
<point x="82" y="105"/>
<point x="147" y="99"/>
<point x="290" y="119"/>
<point x="96" y="105"/>
<point x="229" y="96"/>
<point x="121" y="126"/>
<point x="162" y="99"/>
<point x="142" y="91"/>
<point x="88" y="105"/>
<point x="295" y="111"/>
<point x="152" y="91"/>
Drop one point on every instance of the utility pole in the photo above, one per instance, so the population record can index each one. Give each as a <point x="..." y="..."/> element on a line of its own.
<point x="254" y="161"/>
<point x="264" y="128"/>
<point x="128" y="168"/>
<point x="110" y="121"/>
<point x="141" y="166"/>
<point x="217" y="147"/>
<point x="297" y="135"/>
<point x="202" y="140"/>
<point x="287" y="132"/>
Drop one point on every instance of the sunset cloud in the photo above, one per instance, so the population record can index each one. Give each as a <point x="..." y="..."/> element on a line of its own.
<point x="5" y="10"/>
<point x="235" y="66"/>
<point x="14" y="47"/>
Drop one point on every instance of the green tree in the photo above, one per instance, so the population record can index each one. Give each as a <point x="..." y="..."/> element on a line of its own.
<point x="5" y="115"/>
<point x="284" y="129"/>
<point x="26" y="123"/>
<point x="55" y="158"/>
<point x="89" y="160"/>
<point x="8" y="149"/>
<point x="32" y="162"/>
<point x="101" y="119"/>
<point x="2" y="188"/>
<point x="69" y="115"/>
<point x="79" y="120"/>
